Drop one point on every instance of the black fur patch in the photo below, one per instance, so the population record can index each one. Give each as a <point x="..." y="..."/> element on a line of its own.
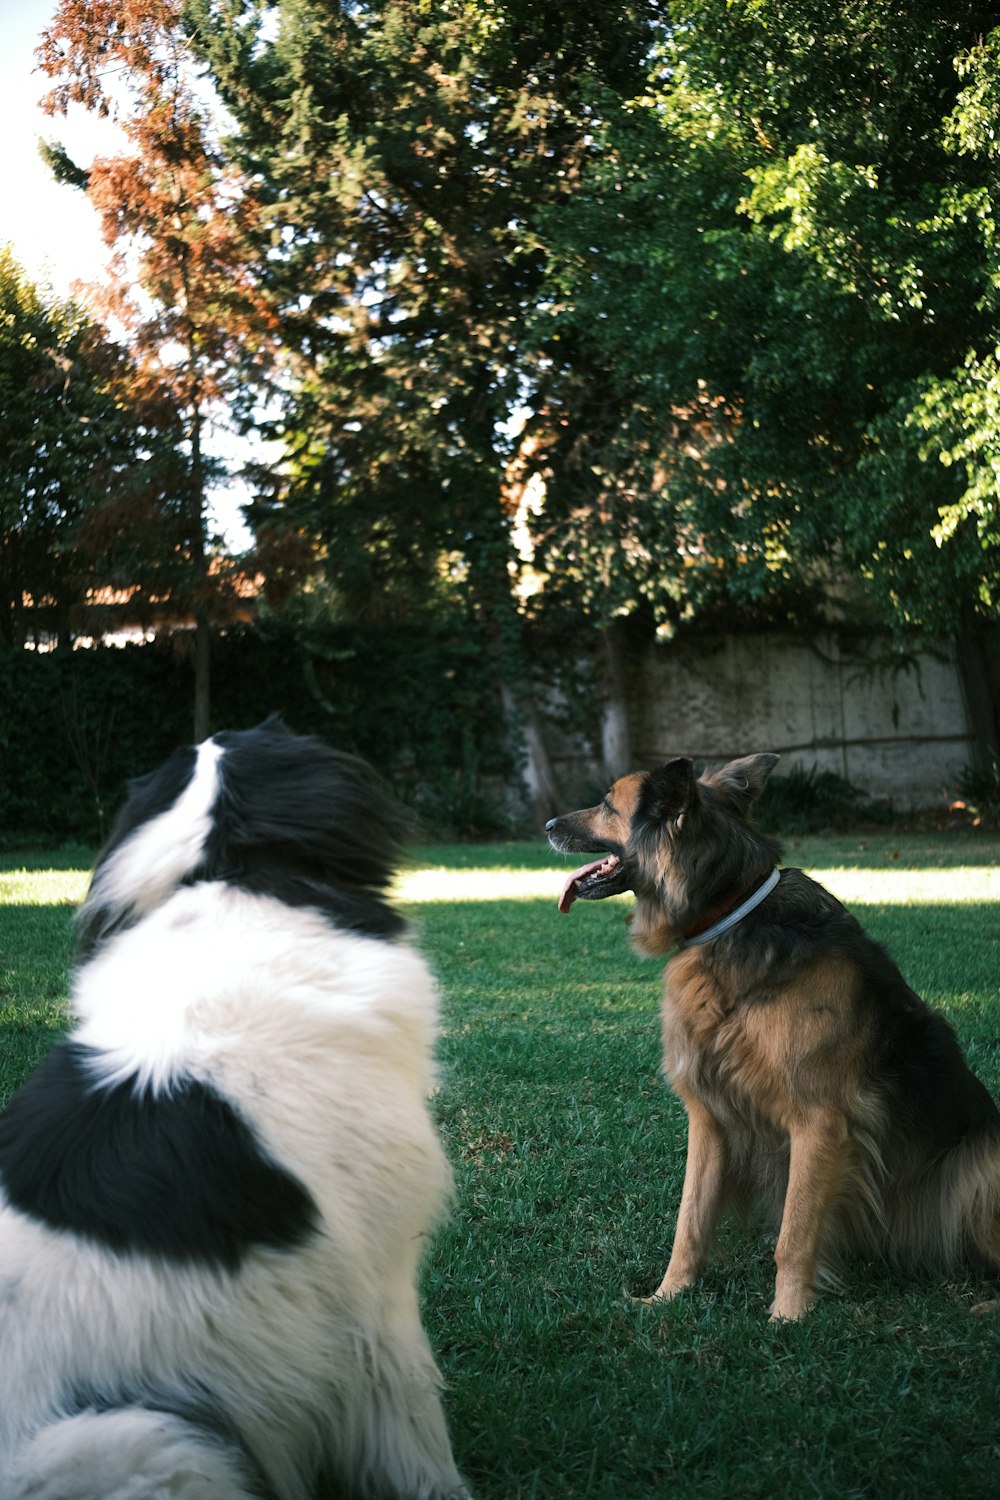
<point x="293" y="819"/>
<point x="175" y="1174"/>
<point x="940" y="1100"/>
<point x="306" y="824"/>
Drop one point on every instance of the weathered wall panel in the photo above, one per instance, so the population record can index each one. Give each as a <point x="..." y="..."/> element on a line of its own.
<point x="895" y="728"/>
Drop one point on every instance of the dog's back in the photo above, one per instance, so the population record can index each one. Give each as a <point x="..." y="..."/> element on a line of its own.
<point x="215" y="1192"/>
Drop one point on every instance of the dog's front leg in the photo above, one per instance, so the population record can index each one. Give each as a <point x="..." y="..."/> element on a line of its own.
<point x="705" y="1177"/>
<point x="818" y="1156"/>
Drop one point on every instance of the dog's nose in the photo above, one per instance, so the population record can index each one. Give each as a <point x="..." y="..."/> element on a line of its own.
<point x="551" y="824"/>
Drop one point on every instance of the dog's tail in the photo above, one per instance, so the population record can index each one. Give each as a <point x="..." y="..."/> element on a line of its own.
<point x="128" y="1454"/>
<point x="949" y="1214"/>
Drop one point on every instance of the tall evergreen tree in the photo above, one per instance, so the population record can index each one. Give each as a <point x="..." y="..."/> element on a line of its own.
<point x="406" y="153"/>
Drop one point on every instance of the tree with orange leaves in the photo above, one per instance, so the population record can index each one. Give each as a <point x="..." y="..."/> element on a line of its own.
<point x="178" y="219"/>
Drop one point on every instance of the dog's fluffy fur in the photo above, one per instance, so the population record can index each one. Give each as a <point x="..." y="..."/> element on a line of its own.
<point x="812" y="1075"/>
<point x="215" y="1192"/>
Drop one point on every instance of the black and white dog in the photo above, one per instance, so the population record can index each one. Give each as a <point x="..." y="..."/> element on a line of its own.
<point x="216" y="1190"/>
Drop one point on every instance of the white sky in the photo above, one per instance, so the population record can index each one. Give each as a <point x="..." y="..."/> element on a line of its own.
<point x="52" y="228"/>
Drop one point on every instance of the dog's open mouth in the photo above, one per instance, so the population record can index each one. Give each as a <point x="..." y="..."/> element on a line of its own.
<point x="606" y="876"/>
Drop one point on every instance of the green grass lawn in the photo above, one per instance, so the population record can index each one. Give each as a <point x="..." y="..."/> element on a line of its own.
<point x="568" y="1152"/>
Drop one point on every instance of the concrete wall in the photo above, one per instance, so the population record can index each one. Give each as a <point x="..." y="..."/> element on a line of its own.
<point x="895" y="728"/>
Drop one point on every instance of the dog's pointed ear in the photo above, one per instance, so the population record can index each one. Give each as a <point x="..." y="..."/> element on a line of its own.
<point x="743" y="780"/>
<point x="669" y="790"/>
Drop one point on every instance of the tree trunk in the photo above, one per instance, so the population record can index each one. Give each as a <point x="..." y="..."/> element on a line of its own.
<point x="616" y="731"/>
<point x="523" y="719"/>
<point x="202" y="675"/>
<point x="978" y="643"/>
<point x="62" y="630"/>
<point x="199" y="558"/>
<point x="9" y="614"/>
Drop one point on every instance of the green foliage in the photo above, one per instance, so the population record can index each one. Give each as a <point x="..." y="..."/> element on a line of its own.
<point x="62" y="166"/>
<point x="681" y="313"/>
<point x="418" y="702"/>
<point x="788" y="254"/>
<point x="77" y="455"/>
<point x="813" y="801"/>
<point x="407" y="152"/>
<point x="719" y="280"/>
<point x="182" y="285"/>
<point x="74" y="727"/>
<point x="980" y="789"/>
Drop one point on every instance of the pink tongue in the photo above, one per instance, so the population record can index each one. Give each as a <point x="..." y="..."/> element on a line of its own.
<point x="568" y="894"/>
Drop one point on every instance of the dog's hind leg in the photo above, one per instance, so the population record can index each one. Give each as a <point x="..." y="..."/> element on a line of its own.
<point x="132" y="1454"/>
<point x="706" y="1176"/>
<point x="819" y="1156"/>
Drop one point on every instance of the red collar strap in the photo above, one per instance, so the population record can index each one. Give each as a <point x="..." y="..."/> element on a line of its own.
<point x="718" y="919"/>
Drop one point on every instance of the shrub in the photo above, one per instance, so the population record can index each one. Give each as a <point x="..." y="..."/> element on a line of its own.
<point x="416" y="701"/>
<point x="814" y="801"/>
<point x="979" y="794"/>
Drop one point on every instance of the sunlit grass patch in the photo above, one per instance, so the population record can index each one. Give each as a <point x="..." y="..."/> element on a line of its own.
<point x="895" y="887"/>
<point x="885" y="886"/>
<point x="890" y="885"/>
<point x="43" y="887"/>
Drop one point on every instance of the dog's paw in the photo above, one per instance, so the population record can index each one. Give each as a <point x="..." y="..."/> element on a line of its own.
<point x="657" y="1298"/>
<point x="789" y="1312"/>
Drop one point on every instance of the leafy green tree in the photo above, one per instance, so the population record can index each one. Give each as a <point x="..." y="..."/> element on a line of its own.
<point x="82" y="464"/>
<point x="406" y="155"/>
<point x="788" y="256"/>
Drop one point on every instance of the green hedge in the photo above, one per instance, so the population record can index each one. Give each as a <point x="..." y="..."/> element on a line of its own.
<point x="416" y="701"/>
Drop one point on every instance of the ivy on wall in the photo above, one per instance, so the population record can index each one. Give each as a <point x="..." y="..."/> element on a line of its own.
<point x="420" y="702"/>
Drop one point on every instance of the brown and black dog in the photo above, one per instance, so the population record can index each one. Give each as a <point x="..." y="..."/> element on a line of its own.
<point x="812" y="1075"/>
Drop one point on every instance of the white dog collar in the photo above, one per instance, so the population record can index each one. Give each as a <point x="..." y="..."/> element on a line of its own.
<point x="736" y="915"/>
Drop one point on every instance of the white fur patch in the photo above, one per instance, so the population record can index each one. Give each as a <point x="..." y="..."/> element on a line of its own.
<point x="157" y="855"/>
<point x="217" y="974"/>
